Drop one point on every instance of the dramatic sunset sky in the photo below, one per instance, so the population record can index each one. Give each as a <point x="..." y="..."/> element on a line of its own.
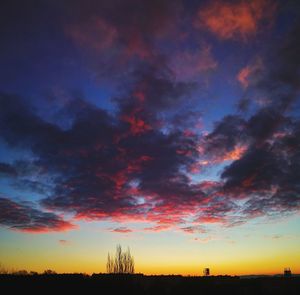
<point x="171" y="127"/>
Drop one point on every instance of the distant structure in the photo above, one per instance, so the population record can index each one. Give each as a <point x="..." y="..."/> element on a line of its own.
<point x="206" y="272"/>
<point x="287" y="272"/>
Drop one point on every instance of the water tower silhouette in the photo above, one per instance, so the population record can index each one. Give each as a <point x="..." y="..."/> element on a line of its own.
<point x="206" y="272"/>
<point x="287" y="272"/>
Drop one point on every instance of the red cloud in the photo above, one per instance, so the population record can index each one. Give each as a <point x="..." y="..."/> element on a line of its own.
<point x="137" y="125"/>
<point x="134" y="117"/>
<point x="122" y="177"/>
<point x="235" y="20"/>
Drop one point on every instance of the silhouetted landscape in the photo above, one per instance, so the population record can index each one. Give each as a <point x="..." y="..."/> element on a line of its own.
<point x="121" y="276"/>
<point x="142" y="284"/>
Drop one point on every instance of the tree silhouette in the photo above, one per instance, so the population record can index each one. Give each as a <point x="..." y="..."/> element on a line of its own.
<point x="122" y="263"/>
<point x="49" y="272"/>
<point x="3" y="270"/>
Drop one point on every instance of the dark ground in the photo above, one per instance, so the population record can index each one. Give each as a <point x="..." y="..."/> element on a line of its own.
<point x="143" y="285"/>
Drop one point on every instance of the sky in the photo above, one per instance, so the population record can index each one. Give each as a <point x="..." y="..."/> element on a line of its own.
<point x="170" y="127"/>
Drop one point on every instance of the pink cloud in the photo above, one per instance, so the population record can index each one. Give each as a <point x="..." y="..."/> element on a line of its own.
<point x="22" y="217"/>
<point x="61" y="227"/>
<point x="247" y="75"/>
<point x="243" y="76"/>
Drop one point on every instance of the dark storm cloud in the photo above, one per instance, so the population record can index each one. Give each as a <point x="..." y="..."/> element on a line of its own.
<point x="159" y="88"/>
<point x="21" y="126"/>
<point x="281" y="80"/>
<point x="95" y="161"/>
<point x="132" y="163"/>
<point x="257" y="169"/>
<point x="226" y="135"/>
<point x="136" y="23"/>
<point x="155" y="99"/>
<point x="267" y="173"/>
<point x="101" y="173"/>
<point x="7" y="170"/>
<point x="113" y="36"/>
<point x="22" y="217"/>
<point x="264" y="123"/>
<point x="118" y="35"/>
<point x="271" y="172"/>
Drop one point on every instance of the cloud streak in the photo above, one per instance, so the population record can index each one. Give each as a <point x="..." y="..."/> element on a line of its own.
<point x="22" y="217"/>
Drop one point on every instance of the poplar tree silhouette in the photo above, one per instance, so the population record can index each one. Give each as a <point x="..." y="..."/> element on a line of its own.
<point x="122" y="263"/>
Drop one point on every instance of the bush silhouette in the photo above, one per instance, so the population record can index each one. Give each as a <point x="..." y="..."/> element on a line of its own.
<point x="49" y="272"/>
<point x="122" y="263"/>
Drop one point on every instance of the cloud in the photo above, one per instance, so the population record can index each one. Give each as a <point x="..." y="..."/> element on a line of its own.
<point x="158" y="90"/>
<point x="22" y="217"/>
<point x="237" y="20"/>
<point x="99" y="164"/>
<point x="122" y="30"/>
<point x="64" y="242"/>
<point x="205" y="240"/>
<point x="243" y="76"/>
<point x="133" y="162"/>
<point x="226" y="135"/>
<point x="188" y="65"/>
<point x="147" y="180"/>
<point x="7" y="170"/>
<point x="194" y="229"/>
<point x="157" y="228"/>
<point x="248" y="74"/>
<point x="265" y="174"/>
<point x="122" y="230"/>
<point x="96" y="34"/>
